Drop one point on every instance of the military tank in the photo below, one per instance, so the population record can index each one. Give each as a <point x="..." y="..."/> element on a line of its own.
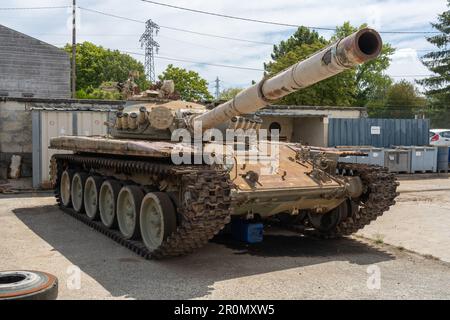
<point x="149" y="186"/>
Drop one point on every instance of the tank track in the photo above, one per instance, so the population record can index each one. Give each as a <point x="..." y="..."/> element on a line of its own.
<point x="203" y="216"/>
<point x="379" y="195"/>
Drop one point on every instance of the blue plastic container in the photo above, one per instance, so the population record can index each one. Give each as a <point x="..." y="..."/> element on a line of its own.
<point x="443" y="159"/>
<point x="248" y="232"/>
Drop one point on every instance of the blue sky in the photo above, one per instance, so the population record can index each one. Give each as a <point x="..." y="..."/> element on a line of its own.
<point x="53" y="26"/>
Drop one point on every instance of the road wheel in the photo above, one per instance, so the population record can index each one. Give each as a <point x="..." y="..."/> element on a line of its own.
<point x="329" y="221"/>
<point x="65" y="188"/>
<point x="78" y="183"/>
<point x="28" y="285"/>
<point x="107" y="202"/>
<point x="91" y="193"/>
<point x="128" y="211"/>
<point x="158" y="219"/>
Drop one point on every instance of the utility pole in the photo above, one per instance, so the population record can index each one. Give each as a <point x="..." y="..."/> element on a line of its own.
<point x="217" y="88"/>
<point x="74" y="49"/>
<point x="151" y="47"/>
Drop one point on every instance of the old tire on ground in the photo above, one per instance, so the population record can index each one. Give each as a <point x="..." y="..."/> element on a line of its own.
<point x="108" y="203"/>
<point x="65" y="188"/>
<point x="128" y="211"/>
<point x="329" y="221"/>
<point x="28" y="285"/>
<point x="158" y="219"/>
<point x="91" y="194"/>
<point x="77" y="191"/>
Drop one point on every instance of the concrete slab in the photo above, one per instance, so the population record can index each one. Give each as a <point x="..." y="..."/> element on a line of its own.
<point x="37" y="235"/>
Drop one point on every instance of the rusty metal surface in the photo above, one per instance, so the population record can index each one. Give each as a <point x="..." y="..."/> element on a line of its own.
<point x="106" y="145"/>
<point x="289" y="175"/>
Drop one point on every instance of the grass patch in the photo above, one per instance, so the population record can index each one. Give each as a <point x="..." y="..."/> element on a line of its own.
<point x="379" y="239"/>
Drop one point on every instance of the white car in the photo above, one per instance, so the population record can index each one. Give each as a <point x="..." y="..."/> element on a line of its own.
<point x="440" y="137"/>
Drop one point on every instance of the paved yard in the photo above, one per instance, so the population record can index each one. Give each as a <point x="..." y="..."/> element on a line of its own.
<point x="34" y="234"/>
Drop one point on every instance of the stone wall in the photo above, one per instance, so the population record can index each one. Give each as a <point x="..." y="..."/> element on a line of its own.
<point x="16" y="128"/>
<point x="15" y="137"/>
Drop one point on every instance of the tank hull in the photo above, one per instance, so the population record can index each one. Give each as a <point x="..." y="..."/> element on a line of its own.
<point x="291" y="188"/>
<point x="206" y="199"/>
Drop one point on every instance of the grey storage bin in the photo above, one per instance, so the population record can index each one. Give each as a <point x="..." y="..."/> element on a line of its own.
<point x="423" y="159"/>
<point x="375" y="157"/>
<point x="398" y="160"/>
<point x="442" y="163"/>
<point x="349" y="159"/>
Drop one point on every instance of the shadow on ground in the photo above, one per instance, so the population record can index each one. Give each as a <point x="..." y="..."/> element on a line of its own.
<point x="122" y="273"/>
<point x="23" y="195"/>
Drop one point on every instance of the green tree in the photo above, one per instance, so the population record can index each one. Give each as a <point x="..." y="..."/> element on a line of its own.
<point x="370" y="78"/>
<point x="300" y="46"/>
<point x="229" y="93"/>
<point x="351" y="88"/>
<point x="302" y="36"/>
<point x="438" y="86"/>
<point x="96" y="65"/>
<point x="402" y="100"/>
<point x="188" y="84"/>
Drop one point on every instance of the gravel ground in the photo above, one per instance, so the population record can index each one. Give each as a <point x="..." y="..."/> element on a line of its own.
<point x="36" y="235"/>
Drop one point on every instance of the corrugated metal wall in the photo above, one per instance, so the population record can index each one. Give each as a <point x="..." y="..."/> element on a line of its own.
<point x="382" y="133"/>
<point x="52" y="124"/>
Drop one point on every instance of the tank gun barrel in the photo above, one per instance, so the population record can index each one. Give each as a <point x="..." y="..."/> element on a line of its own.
<point x="358" y="48"/>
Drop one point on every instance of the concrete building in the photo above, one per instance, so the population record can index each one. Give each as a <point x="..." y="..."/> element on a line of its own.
<point x="29" y="69"/>
<point x="308" y="125"/>
<point x="32" y="68"/>
<point x="28" y="124"/>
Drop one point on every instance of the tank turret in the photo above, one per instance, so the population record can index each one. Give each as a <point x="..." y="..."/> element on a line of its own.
<point x="156" y="113"/>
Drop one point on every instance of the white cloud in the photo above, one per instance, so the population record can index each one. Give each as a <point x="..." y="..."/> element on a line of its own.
<point x="119" y="34"/>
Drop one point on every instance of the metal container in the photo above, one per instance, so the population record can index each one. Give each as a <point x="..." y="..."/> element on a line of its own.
<point x="375" y="157"/>
<point x="423" y="159"/>
<point x="443" y="160"/>
<point x="348" y="159"/>
<point x="398" y="160"/>
<point x="380" y="133"/>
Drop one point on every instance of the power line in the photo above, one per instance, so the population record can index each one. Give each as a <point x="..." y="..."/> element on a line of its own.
<point x="412" y="76"/>
<point x="178" y="29"/>
<point x="197" y="62"/>
<point x="111" y="15"/>
<point x="246" y="68"/>
<point x="213" y="14"/>
<point x="233" y="17"/>
<point x="271" y="22"/>
<point x="34" y="8"/>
